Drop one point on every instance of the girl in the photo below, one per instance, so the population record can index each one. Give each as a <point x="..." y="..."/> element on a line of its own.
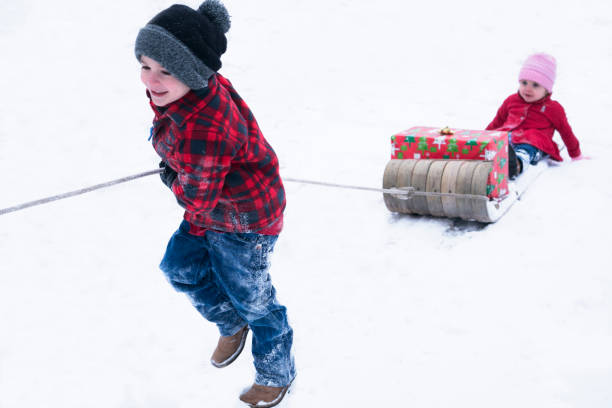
<point x="225" y="175"/>
<point x="531" y="117"/>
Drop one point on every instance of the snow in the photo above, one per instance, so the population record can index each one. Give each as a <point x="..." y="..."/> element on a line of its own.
<point x="388" y="310"/>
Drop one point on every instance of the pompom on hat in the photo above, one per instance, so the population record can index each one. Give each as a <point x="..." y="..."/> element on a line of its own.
<point x="540" y="68"/>
<point x="187" y="42"/>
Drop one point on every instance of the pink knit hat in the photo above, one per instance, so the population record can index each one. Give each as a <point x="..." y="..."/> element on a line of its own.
<point x="540" y="68"/>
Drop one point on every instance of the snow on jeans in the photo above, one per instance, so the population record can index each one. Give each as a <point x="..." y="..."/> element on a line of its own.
<point x="226" y="277"/>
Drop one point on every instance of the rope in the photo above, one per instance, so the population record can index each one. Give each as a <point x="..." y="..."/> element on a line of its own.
<point x="403" y="192"/>
<point x="76" y="192"/>
<point x="321" y="183"/>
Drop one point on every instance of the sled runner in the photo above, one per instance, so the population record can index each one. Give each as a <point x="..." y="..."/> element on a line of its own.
<point x="453" y="173"/>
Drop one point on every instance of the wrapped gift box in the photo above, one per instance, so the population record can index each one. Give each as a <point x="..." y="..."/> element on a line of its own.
<point x="429" y="143"/>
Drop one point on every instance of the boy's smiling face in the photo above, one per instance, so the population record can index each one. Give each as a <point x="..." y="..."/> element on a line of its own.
<point x="162" y="86"/>
<point x="531" y="91"/>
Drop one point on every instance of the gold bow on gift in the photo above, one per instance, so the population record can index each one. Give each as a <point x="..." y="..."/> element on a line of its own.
<point x="446" y="131"/>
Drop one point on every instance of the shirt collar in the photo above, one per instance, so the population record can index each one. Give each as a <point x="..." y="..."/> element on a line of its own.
<point x="193" y="101"/>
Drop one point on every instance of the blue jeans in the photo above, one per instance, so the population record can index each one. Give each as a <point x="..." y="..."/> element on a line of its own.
<point x="534" y="154"/>
<point x="225" y="275"/>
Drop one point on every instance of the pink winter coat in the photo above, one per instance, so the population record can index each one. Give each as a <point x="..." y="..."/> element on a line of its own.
<point x="535" y="123"/>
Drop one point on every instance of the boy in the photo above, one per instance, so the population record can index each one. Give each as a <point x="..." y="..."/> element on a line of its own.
<point x="225" y="174"/>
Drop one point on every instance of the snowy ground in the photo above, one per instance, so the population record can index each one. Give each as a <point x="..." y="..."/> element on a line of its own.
<point x="388" y="310"/>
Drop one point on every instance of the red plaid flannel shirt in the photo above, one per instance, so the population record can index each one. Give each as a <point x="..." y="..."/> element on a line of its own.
<point x="228" y="178"/>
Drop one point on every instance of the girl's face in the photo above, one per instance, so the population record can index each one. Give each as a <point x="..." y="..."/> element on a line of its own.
<point x="531" y="91"/>
<point x="162" y="86"/>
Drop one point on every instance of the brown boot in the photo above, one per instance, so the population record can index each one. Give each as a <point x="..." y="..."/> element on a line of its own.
<point x="261" y="396"/>
<point x="229" y="348"/>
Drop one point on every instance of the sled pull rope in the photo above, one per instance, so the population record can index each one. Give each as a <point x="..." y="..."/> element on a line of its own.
<point x="407" y="192"/>
<point x="402" y="192"/>
<point x="77" y="192"/>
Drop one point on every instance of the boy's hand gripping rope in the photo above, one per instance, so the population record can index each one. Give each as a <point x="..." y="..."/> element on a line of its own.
<point x="404" y="192"/>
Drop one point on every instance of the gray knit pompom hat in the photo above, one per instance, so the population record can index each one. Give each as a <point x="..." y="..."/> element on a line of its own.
<point x="187" y="42"/>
